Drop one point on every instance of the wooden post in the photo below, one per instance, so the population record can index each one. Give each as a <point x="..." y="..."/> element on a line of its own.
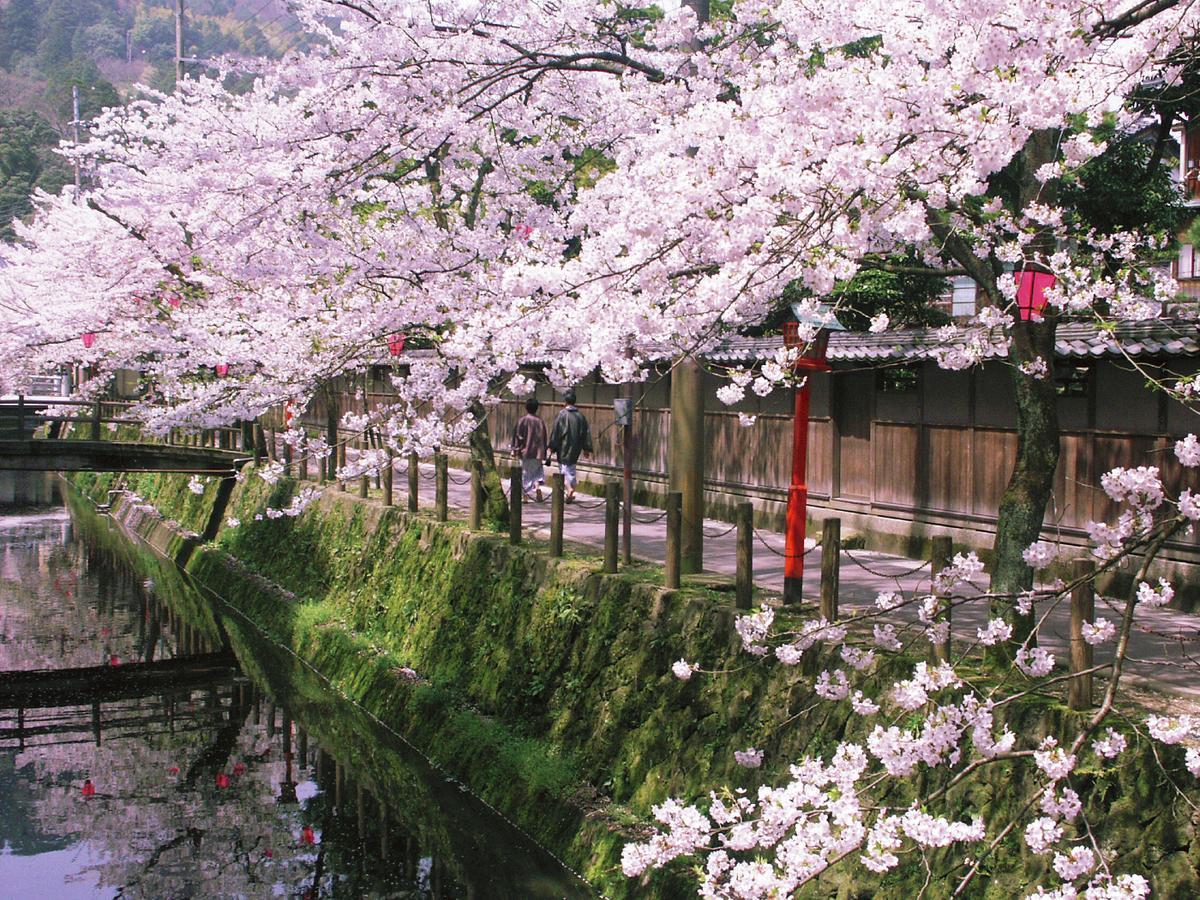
<point x="331" y="439"/>
<point x="674" y="544"/>
<point x="441" y="487"/>
<point x="941" y="552"/>
<point x="20" y="417"/>
<point x="341" y="463"/>
<point x="269" y="440"/>
<point x="260" y="443"/>
<point x="745" y="555"/>
<point x="414" y="474"/>
<point x="304" y="456"/>
<point x="557" y="494"/>
<point x="287" y="460"/>
<point x="247" y="436"/>
<point x="831" y="547"/>
<point x="96" y="421"/>
<point x="516" y="497"/>
<point x="686" y="447"/>
<point x="476" y="520"/>
<point x="1083" y="609"/>
<point x="612" y="524"/>
<point x="388" y="473"/>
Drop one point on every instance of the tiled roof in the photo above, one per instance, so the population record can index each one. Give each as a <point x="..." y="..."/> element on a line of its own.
<point x="1078" y="340"/>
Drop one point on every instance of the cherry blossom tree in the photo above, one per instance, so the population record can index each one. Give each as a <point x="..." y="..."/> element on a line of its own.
<point x="598" y="187"/>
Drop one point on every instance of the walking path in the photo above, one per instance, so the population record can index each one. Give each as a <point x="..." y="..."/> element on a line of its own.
<point x="1164" y="648"/>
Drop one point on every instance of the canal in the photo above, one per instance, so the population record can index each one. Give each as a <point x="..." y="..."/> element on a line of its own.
<point x="154" y="744"/>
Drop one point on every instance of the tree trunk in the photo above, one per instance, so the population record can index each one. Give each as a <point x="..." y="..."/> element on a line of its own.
<point x="1031" y="485"/>
<point x="495" y="506"/>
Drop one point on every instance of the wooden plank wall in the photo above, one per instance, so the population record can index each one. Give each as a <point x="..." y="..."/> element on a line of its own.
<point x="903" y="457"/>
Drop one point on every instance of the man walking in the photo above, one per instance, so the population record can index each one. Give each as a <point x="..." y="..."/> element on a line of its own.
<point x="529" y="445"/>
<point x="570" y="438"/>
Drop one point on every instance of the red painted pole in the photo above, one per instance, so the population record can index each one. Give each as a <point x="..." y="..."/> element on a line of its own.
<point x="797" y="508"/>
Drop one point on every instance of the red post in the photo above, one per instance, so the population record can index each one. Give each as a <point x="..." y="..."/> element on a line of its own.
<point x="797" y="509"/>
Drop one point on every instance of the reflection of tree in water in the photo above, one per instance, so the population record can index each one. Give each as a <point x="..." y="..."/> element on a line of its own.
<point x="159" y="820"/>
<point x="218" y="808"/>
<point x="65" y="603"/>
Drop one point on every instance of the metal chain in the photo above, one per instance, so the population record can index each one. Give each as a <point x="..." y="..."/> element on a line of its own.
<point x="649" y="520"/>
<point x="717" y="534"/>
<point x="583" y="505"/>
<point x="783" y="553"/>
<point x="879" y="574"/>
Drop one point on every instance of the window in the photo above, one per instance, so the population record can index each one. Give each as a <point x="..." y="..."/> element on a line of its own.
<point x="962" y="298"/>
<point x="903" y="380"/>
<point x="1186" y="266"/>
<point x="1072" y="381"/>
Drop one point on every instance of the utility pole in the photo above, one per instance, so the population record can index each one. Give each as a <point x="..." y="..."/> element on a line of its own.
<point x="178" y="41"/>
<point x="75" y="126"/>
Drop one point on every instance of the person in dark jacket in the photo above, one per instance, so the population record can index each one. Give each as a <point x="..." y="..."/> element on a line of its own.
<point x="529" y="445"/>
<point x="569" y="439"/>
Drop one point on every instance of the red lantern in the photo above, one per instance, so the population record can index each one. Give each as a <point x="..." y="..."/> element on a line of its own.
<point x="396" y="344"/>
<point x="222" y="369"/>
<point x="88" y="339"/>
<point x="222" y="780"/>
<point x="1031" y="292"/>
<point x="307" y="836"/>
<point x="89" y="790"/>
<point x="174" y="301"/>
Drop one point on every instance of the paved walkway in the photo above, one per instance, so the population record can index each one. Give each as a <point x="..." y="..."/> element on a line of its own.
<point x="1164" y="652"/>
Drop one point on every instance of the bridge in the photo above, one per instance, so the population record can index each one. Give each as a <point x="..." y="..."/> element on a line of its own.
<point x="42" y="688"/>
<point x="56" y="706"/>
<point x="207" y="452"/>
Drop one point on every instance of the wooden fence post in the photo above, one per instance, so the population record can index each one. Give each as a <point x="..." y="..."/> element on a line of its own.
<point x="941" y="550"/>
<point x="674" y="543"/>
<point x="304" y="457"/>
<point x="414" y="474"/>
<point x="269" y="439"/>
<point x="247" y="436"/>
<point x="386" y="480"/>
<point x="1083" y="609"/>
<point x="831" y="548"/>
<point x="515" y="500"/>
<point x="476" y="521"/>
<point x="20" y="417"/>
<point x="341" y="464"/>
<point x="260" y="443"/>
<point x="557" y="494"/>
<point x="287" y="459"/>
<point x="612" y="524"/>
<point x="441" y="487"/>
<point x="96" y="421"/>
<point x="745" y="555"/>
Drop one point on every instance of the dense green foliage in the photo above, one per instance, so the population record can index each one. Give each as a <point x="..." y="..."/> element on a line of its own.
<point x="27" y="162"/>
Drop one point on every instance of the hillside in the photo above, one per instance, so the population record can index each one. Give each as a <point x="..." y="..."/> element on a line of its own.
<point x="105" y="48"/>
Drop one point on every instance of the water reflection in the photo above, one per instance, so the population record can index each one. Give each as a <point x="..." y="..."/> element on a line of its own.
<point x="139" y="759"/>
